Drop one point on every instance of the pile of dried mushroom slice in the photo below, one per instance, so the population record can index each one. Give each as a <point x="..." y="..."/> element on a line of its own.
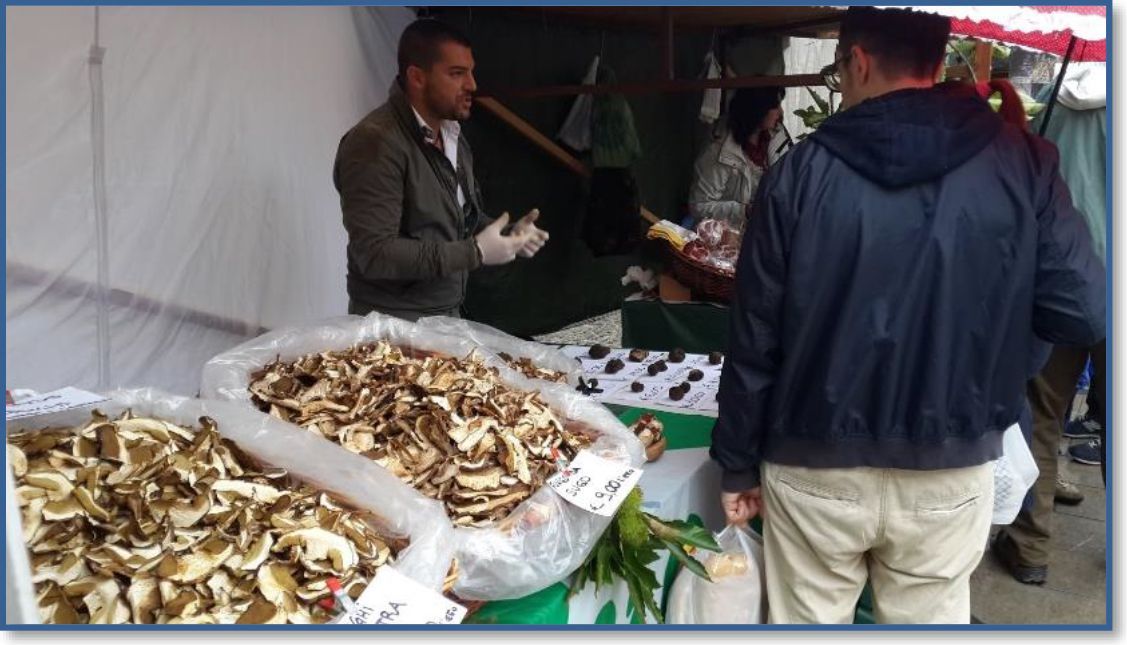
<point x="137" y="520"/>
<point x="449" y="427"/>
<point x="529" y="368"/>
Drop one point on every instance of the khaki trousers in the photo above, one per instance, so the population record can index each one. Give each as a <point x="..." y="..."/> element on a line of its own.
<point x="916" y="535"/>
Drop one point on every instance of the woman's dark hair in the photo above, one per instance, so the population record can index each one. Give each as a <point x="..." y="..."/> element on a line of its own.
<point x="747" y="109"/>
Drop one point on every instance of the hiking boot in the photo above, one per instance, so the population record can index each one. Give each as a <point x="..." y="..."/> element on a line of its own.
<point x="1086" y="428"/>
<point x="1005" y="551"/>
<point x="1090" y="453"/>
<point x="1067" y="492"/>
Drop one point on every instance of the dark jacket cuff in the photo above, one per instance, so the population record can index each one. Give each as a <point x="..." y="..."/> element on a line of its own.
<point x="736" y="481"/>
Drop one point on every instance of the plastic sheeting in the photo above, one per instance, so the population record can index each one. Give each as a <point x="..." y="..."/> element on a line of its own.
<point x="549" y="537"/>
<point x="209" y="134"/>
<point x="402" y="511"/>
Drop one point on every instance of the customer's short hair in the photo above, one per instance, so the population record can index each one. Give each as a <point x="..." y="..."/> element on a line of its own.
<point x="421" y="40"/>
<point x="748" y="107"/>
<point x="904" y="42"/>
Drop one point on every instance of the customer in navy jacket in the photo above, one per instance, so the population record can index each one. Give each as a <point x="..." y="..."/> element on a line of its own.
<point x="896" y="272"/>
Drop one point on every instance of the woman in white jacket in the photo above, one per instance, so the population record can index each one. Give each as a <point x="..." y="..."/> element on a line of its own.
<point x="727" y="173"/>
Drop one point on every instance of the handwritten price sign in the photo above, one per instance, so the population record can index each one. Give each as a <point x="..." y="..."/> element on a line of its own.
<point x="595" y="484"/>
<point x="56" y="401"/>
<point x="394" y="599"/>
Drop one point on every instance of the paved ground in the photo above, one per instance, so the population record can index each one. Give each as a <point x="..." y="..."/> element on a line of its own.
<point x="1075" y="591"/>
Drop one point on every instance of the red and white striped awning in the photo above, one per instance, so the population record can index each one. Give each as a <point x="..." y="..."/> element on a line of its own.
<point x="1044" y="28"/>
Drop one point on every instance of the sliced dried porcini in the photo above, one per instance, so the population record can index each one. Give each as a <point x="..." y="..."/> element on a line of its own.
<point x="69" y="569"/>
<point x="63" y="510"/>
<point x="487" y="479"/>
<point x="262" y="612"/>
<point x="258" y="553"/>
<point x="102" y="597"/>
<point x="55" y="608"/>
<point x="318" y="544"/>
<point x="185" y="514"/>
<point x="90" y="505"/>
<point x="276" y="583"/>
<point x="58" y="487"/>
<point x="198" y="566"/>
<point x="144" y="600"/>
<point x="18" y="461"/>
<point x="516" y="458"/>
<point x="256" y="492"/>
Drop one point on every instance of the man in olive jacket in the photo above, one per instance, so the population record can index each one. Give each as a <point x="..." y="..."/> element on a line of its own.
<point x="411" y="204"/>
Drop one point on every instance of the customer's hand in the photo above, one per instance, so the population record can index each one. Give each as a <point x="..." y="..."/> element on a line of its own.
<point x="497" y="248"/>
<point x="537" y="237"/>
<point x="740" y="507"/>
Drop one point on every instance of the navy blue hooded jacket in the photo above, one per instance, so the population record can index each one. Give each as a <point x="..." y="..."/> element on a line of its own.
<point x="896" y="271"/>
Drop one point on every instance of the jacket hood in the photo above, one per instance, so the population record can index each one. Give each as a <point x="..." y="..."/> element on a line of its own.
<point x="911" y="136"/>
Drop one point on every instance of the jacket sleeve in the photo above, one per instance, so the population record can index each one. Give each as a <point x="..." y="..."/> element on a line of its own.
<point x="754" y="353"/>
<point x="706" y="197"/>
<point x="1070" y="297"/>
<point x="370" y="174"/>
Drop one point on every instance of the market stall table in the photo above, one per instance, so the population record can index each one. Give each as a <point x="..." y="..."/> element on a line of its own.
<point x="682" y="484"/>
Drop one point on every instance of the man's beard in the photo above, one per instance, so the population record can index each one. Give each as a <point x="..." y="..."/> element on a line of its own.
<point x="449" y="113"/>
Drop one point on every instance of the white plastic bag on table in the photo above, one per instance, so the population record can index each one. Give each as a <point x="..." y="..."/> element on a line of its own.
<point x="549" y="538"/>
<point x="737" y="594"/>
<point x="1014" y="473"/>
<point x="497" y="341"/>
<point x="402" y="511"/>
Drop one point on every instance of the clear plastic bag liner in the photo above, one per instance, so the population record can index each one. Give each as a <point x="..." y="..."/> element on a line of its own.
<point x="545" y="538"/>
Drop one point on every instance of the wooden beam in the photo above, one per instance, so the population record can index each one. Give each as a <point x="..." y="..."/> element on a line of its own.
<point x="528" y="131"/>
<point x="656" y="87"/>
<point x="983" y="55"/>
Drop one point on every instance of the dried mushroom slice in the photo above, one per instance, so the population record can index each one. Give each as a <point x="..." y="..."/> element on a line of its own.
<point x="144" y="521"/>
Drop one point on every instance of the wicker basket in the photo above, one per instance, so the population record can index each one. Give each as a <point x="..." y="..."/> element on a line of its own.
<point x="706" y="283"/>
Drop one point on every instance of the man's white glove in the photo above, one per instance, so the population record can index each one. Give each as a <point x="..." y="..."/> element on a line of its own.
<point x="497" y="248"/>
<point x="537" y="237"/>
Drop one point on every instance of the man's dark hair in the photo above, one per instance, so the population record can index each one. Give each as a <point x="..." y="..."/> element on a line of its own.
<point x="420" y="41"/>
<point x="748" y="107"/>
<point x="904" y="42"/>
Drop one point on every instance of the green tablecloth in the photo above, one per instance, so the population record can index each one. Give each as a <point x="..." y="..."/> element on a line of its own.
<point x="550" y="606"/>
<point x="661" y="326"/>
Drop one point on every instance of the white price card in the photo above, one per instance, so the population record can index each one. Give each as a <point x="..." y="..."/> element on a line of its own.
<point x="57" y="401"/>
<point x="595" y="484"/>
<point x="394" y="599"/>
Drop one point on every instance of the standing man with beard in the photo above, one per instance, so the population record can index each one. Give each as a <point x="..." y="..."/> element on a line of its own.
<point x="411" y="204"/>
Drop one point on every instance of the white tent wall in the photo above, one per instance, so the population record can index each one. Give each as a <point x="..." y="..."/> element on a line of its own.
<point x="220" y="218"/>
<point x="805" y="56"/>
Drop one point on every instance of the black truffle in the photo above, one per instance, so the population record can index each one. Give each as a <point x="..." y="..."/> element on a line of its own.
<point x="715" y="358"/>
<point x="598" y="351"/>
<point x="677" y="355"/>
<point x="695" y="375"/>
<point x="637" y="387"/>
<point x="638" y="355"/>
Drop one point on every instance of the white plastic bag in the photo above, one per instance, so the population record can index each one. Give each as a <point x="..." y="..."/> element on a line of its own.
<point x="403" y="511"/>
<point x="576" y="130"/>
<point x="737" y="594"/>
<point x="1014" y="473"/>
<point x="549" y="537"/>
<point x="710" y="104"/>
<point x="497" y="341"/>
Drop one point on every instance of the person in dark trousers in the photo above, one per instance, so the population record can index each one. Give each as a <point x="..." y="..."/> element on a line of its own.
<point x="1078" y="127"/>
<point x="411" y="204"/>
<point x="895" y="272"/>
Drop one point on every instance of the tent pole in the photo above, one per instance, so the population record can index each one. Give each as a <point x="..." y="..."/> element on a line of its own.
<point x="1056" y="87"/>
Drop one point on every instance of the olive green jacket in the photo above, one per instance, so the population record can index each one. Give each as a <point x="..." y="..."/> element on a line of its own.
<point x="410" y="246"/>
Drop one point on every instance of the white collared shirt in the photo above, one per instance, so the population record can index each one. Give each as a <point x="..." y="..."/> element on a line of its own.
<point x="451" y="130"/>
